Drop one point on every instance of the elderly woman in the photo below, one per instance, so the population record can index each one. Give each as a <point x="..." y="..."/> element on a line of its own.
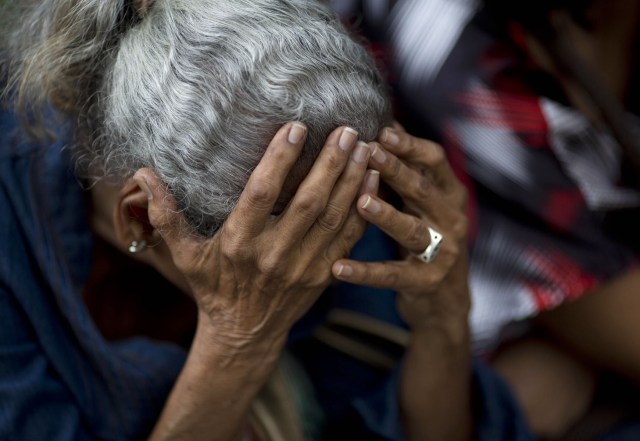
<point x="213" y="146"/>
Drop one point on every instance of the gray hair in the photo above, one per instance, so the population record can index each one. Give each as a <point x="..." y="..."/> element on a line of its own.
<point x="195" y="89"/>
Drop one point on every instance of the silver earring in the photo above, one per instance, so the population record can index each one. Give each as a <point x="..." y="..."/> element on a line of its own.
<point x="137" y="246"/>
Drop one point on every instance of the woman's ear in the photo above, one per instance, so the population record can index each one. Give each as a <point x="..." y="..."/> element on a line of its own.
<point x="133" y="230"/>
<point x="138" y="226"/>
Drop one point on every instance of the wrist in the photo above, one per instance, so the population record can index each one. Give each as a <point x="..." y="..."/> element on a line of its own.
<point x="451" y="332"/>
<point x="216" y="387"/>
<point x="220" y="346"/>
<point x="435" y="388"/>
<point x="447" y="312"/>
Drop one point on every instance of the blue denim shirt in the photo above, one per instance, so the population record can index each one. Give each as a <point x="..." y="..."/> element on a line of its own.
<point x="60" y="379"/>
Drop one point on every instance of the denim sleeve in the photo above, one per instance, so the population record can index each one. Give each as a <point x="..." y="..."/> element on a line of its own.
<point x="34" y="403"/>
<point x="496" y="413"/>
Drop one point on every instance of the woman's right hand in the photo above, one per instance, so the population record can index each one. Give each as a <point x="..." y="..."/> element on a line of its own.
<point x="256" y="276"/>
<point x="260" y="273"/>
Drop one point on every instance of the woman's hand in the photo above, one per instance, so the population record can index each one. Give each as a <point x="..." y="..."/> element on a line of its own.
<point x="433" y="298"/>
<point x="256" y="276"/>
<point x="260" y="273"/>
<point x="418" y="171"/>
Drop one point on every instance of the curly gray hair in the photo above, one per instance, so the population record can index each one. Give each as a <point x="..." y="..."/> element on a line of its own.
<point x="195" y="89"/>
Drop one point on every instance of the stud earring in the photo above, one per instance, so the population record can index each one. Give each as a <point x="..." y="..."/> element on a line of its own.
<point x="137" y="246"/>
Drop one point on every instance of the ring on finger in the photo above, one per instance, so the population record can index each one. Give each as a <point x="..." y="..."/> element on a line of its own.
<point x="432" y="250"/>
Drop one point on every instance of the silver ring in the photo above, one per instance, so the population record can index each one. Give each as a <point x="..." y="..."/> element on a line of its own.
<point x="431" y="252"/>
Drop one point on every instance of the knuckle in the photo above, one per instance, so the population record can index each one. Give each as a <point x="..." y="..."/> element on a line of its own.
<point x="423" y="188"/>
<point x="414" y="144"/>
<point x="261" y="192"/>
<point x="331" y="218"/>
<point x="235" y="251"/>
<point x="278" y="152"/>
<point x="436" y="154"/>
<point x="317" y="280"/>
<point x="308" y="204"/>
<point x="460" y="227"/>
<point x="335" y="162"/>
<point x="417" y="234"/>
<point x="270" y="264"/>
<point x="387" y="278"/>
<point x="395" y="168"/>
<point x="353" y="231"/>
<point x="230" y="243"/>
<point x="230" y="230"/>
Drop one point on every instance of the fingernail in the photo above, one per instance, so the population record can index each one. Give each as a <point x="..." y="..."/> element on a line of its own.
<point x="297" y="133"/>
<point x="371" y="205"/>
<point x="142" y="183"/>
<point x="344" y="271"/>
<point x="362" y="152"/>
<point x="390" y="137"/>
<point x="378" y="155"/>
<point x="372" y="181"/>
<point x="348" y="137"/>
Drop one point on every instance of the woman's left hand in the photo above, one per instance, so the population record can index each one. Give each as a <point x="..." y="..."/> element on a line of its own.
<point x="434" y="293"/>
<point x="433" y="298"/>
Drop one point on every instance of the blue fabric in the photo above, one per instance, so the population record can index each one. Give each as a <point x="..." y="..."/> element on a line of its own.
<point x="61" y="380"/>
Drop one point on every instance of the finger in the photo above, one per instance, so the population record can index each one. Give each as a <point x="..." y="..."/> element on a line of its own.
<point x="371" y="183"/>
<point x="409" y="231"/>
<point x="427" y="155"/>
<point x="342" y="198"/>
<point x="261" y="193"/>
<point x="355" y="225"/>
<point x="395" y="275"/>
<point x="163" y="213"/>
<point x="313" y="194"/>
<point x="417" y="190"/>
<point x="351" y="232"/>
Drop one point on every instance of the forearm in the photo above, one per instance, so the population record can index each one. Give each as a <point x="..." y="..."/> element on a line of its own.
<point x="212" y="397"/>
<point x="435" y="389"/>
